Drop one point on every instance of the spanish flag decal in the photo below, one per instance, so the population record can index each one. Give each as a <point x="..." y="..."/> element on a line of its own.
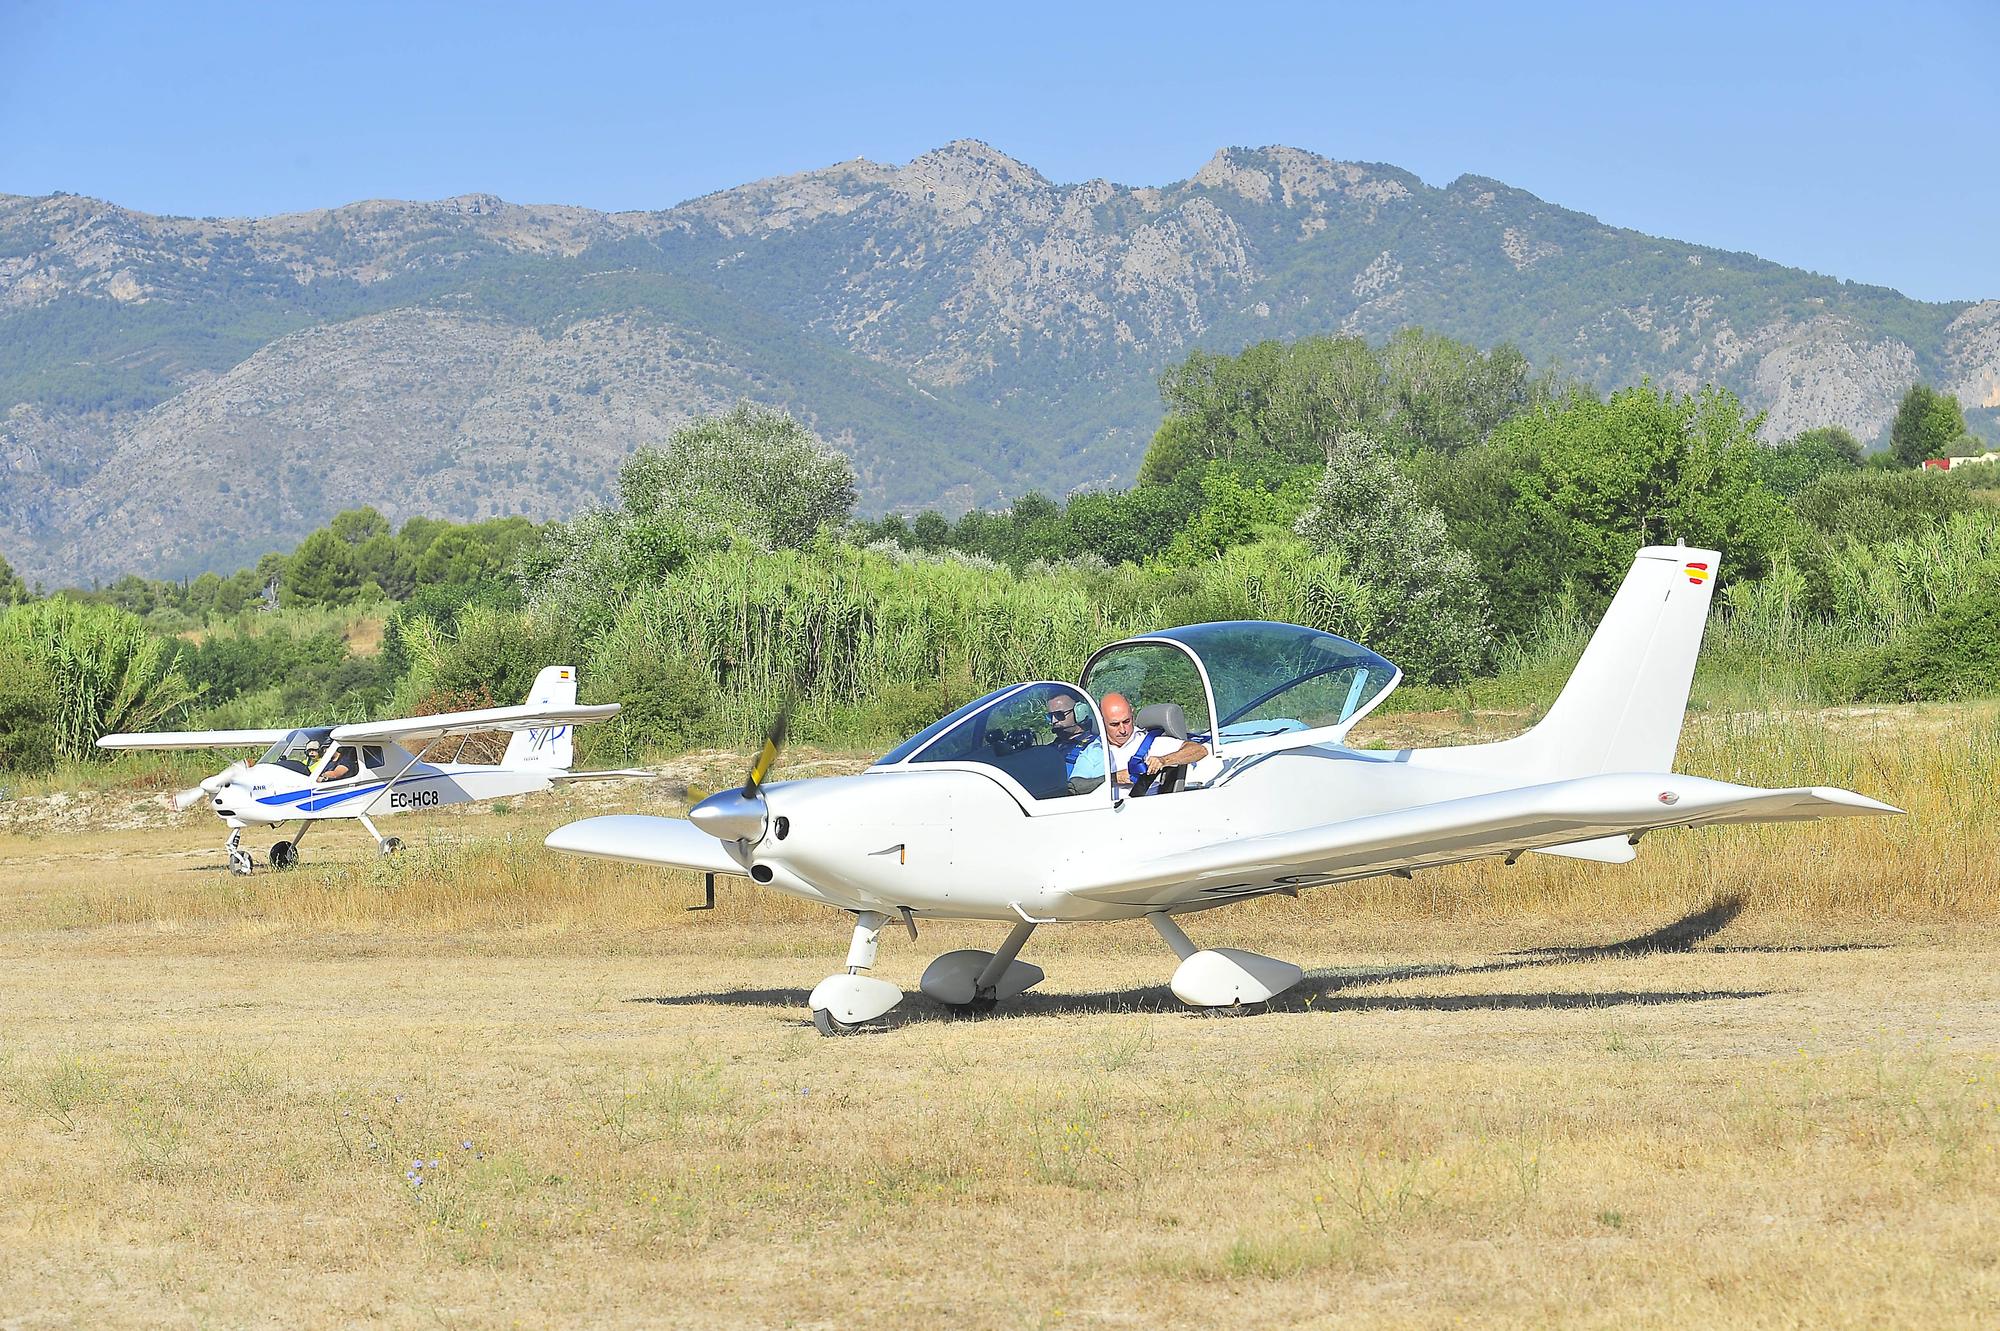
<point x="1697" y="573"/>
<point x="563" y="675"/>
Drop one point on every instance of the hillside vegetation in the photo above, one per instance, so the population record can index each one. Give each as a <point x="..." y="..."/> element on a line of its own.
<point x="1443" y="504"/>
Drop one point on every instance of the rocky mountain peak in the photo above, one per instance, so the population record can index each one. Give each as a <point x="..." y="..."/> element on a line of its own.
<point x="180" y="393"/>
<point x="967" y="181"/>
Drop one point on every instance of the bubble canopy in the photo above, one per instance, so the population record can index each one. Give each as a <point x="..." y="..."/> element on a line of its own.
<point x="1245" y="686"/>
<point x="1262" y="684"/>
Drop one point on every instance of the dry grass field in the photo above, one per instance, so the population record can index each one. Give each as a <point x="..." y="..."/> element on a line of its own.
<point x="1751" y="1080"/>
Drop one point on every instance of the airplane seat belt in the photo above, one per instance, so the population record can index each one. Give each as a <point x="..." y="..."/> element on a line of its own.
<point x="1143" y="785"/>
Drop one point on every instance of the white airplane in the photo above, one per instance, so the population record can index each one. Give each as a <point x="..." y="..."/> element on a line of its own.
<point x="361" y="771"/>
<point x="977" y="816"/>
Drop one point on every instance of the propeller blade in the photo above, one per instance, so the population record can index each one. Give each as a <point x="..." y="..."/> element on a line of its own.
<point x="767" y="757"/>
<point x="187" y="799"/>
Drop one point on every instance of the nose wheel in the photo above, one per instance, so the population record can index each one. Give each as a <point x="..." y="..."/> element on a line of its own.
<point x="848" y="1000"/>
<point x="239" y="858"/>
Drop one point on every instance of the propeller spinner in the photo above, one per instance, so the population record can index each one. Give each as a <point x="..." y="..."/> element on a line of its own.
<point x="741" y="815"/>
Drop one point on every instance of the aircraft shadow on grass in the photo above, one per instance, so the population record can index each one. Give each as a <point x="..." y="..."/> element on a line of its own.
<point x="1326" y="991"/>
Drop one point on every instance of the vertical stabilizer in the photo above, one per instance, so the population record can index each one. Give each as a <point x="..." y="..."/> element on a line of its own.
<point x="1622" y="708"/>
<point x="546" y="746"/>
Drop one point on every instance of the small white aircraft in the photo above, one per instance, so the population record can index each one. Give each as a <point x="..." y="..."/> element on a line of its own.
<point x="978" y="816"/>
<point x="361" y="771"/>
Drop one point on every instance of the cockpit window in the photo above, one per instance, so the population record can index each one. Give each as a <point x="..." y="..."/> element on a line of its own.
<point x="1034" y="734"/>
<point x="930" y="732"/>
<point x="298" y="751"/>
<point x="343" y="764"/>
<point x="1273" y="678"/>
<point x="1151" y="672"/>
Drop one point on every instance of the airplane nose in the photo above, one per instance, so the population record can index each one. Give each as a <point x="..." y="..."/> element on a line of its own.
<point x="731" y="816"/>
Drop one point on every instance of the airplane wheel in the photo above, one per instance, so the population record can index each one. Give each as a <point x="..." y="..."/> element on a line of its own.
<point x="392" y="845"/>
<point x="284" y="855"/>
<point x="239" y="862"/>
<point x="828" y="1024"/>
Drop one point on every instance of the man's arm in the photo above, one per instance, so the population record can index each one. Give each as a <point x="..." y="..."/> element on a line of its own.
<point x="1189" y="751"/>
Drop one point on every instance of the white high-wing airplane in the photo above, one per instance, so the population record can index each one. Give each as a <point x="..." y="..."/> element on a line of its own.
<point x="976" y="816"/>
<point x="361" y="771"/>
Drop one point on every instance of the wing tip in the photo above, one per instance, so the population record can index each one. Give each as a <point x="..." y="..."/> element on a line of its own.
<point x="1853" y="802"/>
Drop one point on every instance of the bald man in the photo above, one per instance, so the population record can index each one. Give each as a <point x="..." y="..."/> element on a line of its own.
<point x="1134" y="753"/>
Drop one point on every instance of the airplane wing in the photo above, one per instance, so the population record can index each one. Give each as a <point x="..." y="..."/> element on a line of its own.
<point x="1585" y="810"/>
<point x="644" y="839"/>
<point x="524" y="716"/>
<point x="195" y="739"/>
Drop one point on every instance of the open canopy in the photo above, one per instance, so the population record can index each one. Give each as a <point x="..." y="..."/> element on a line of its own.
<point x="1249" y="684"/>
<point x="1244" y="687"/>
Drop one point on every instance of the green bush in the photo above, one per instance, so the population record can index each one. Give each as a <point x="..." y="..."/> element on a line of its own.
<point x="105" y="672"/>
<point x="27" y="715"/>
<point x="1952" y="654"/>
<point x="481" y="649"/>
<point x="1869" y="505"/>
<point x="665" y="702"/>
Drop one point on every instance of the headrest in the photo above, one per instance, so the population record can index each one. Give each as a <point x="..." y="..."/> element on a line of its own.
<point x="1165" y="717"/>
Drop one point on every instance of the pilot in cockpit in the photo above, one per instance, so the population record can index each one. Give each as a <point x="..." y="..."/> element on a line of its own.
<point x="1137" y="756"/>
<point x="340" y="766"/>
<point x="1073" y="733"/>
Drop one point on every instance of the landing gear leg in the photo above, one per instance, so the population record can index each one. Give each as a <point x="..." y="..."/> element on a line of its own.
<point x="974" y="981"/>
<point x="387" y="845"/>
<point x="239" y="858"/>
<point x="847" y="999"/>
<point x="1223" y="976"/>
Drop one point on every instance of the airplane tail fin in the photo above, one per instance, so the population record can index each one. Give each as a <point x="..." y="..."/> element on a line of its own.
<point x="546" y="746"/>
<point x="1622" y="708"/>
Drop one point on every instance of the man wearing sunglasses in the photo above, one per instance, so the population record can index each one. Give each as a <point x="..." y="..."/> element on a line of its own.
<point x="1073" y="733"/>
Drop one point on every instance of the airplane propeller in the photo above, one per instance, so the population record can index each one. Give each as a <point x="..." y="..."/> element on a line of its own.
<point x="186" y="799"/>
<point x="741" y="815"/>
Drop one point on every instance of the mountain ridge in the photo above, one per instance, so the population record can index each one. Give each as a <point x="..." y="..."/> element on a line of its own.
<point x="175" y="391"/>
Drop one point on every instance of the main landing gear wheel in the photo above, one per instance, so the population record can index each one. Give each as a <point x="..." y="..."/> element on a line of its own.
<point x="284" y="855"/>
<point x="239" y="860"/>
<point x="1223" y="980"/>
<point x="971" y="982"/>
<point x="392" y="845"/>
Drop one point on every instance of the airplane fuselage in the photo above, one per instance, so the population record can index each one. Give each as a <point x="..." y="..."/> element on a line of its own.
<point x="950" y="840"/>
<point x="266" y="794"/>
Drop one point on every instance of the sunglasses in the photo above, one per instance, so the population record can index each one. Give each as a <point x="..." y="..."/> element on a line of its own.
<point x="1063" y="715"/>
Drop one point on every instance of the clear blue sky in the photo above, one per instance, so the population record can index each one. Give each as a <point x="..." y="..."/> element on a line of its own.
<point x="1858" y="141"/>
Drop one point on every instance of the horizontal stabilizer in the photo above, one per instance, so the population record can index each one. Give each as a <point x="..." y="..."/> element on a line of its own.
<point x="644" y="839"/>
<point x="1561" y="814"/>
<point x="195" y="739"/>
